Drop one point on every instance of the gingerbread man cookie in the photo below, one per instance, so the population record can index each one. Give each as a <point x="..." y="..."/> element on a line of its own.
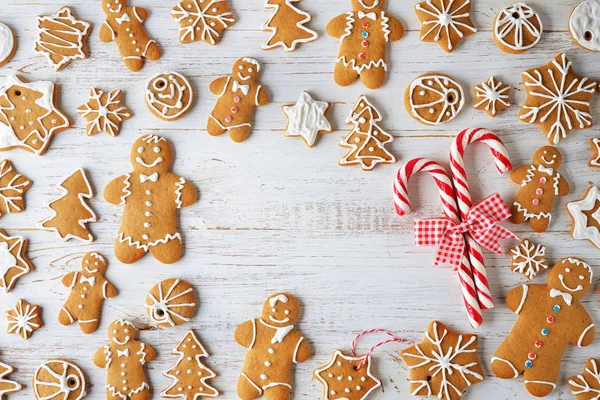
<point x="273" y="345"/>
<point x="540" y="182"/>
<point x="364" y="33"/>
<point x="238" y="94"/>
<point x="151" y="196"/>
<point x="125" y="25"/>
<point x="89" y="288"/>
<point x="550" y="317"/>
<point x="124" y="359"/>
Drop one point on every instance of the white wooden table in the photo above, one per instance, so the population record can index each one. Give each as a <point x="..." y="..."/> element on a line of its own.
<point x="275" y="215"/>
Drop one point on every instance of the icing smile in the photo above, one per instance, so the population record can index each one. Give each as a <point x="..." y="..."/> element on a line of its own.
<point x="375" y="4"/>
<point x="154" y="164"/>
<point x="118" y="10"/>
<point x="90" y="271"/>
<point x="548" y="162"/>
<point x="127" y="338"/>
<point x="279" y="321"/>
<point x="244" y="78"/>
<point x="562" y="281"/>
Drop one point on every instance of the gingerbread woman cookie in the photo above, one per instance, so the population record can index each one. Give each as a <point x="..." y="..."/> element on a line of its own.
<point x="89" y="288"/>
<point x="151" y="196"/>
<point x="540" y="182"/>
<point x="273" y="345"/>
<point x="364" y="33"/>
<point x="550" y="317"/>
<point x="238" y="94"/>
<point x="125" y="25"/>
<point x="124" y="359"/>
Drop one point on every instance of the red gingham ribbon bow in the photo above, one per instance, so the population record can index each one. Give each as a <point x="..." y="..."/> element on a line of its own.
<point x="481" y="222"/>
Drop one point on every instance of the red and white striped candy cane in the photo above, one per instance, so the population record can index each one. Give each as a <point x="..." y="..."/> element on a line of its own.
<point x="447" y="195"/>
<point x="463" y="197"/>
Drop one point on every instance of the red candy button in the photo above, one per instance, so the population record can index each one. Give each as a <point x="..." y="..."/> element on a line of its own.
<point x="532" y="356"/>
<point x="365" y="25"/>
<point x="538" y="344"/>
<point x="234" y="109"/>
<point x="362" y="56"/>
<point x="542" y="180"/>
<point x="365" y="43"/>
<point x="237" y="99"/>
<point x="550" y="319"/>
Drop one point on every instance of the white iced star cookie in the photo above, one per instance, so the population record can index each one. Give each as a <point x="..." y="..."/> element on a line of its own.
<point x="307" y="118"/>
<point x="585" y="214"/>
<point x="492" y="96"/>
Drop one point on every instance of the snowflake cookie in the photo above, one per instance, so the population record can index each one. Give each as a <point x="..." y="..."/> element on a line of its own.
<point x="528" y="258"/>
<point x="445" y="22"/>
<point x="444" y="364"/>
<point x="587" y="385"/>
<point x="104" y="112"/>
<point x="6" y="385"/>
<point x="12" y="189"/>
<point x="24" y="319"/>
<point x="13" y="262"/>
<point x="557" y="99"/>
<point x="517" y="28"/>
<point x="59" y="379"/>
<point x="585" y="215"/>
<point x="202" y="20"/>
<point x="492" y="96"/>
<point x="307" y="118"/>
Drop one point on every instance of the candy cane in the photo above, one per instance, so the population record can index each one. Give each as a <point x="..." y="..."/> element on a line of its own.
<point x="447" y="195"/>
<point x="463" y="196"/>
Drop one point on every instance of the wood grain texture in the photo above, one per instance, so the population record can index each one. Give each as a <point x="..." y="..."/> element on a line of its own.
<point x="275" y="215"/>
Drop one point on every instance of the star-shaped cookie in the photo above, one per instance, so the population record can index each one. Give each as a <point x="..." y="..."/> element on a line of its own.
<point x="202" y="20"/>
<point x="444" y="364"/>
<point x="492" y="96"/>
<point x="528" y="258"/>
<point x="12" y="189"/>
<point x="595" y="161"/>
<point x="6" y="385"/>
<point x="587" y="385"/>
<point x="104" y="112"/>
<point x="585" y="215"/>
<point x="307" y="118"/>
<point x="24" y="319"/>
<point x="445" y="22"/>
<point x="13" y="262"/>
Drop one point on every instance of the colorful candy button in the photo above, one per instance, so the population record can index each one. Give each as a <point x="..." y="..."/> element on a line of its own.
<point x="365" y="25"/>
<point x="237" y="99"/>
<point x="535" y="202"/>
<point x="538" y="343"/>
<point x="550" y="319"/>
<point x="532" y="356"/>
<point x="365" y="43"/>
<point x="228" y="118"/>
<point x="362" y="56"/>
<point x="542" y="180"/>
<point x="539" y="192"/>
<point x="528" y="364"/>
<point x="234" y="109"/>
<point x="545" y="332"/>
<point x="365" y="34"/>
<point x="556" y="308"/>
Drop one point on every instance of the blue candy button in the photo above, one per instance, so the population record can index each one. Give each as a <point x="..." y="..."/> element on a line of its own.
<point x="556" y="308"/>
<point x="528" y="364"/>
<point x="545" y="332"/>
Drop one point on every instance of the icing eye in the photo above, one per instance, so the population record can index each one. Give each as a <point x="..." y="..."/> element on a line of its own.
<point x="287" y="312"/>
<point x="581" y="277"/>
<point x="87" y="261"/>
<point x="273" y="310"/>
<point x="545" y="152"/>
<point x="114" y="332"/>
<point x="554" y="156"/>
<point x="157" y="149"/>
<point x="140" y="149"/>
<point x="250" y="70"/>
<point x="568" y="270"/>
<point x="241" y="67"/>
<point x="96" y="263"/>
<point x="126" y="330"/>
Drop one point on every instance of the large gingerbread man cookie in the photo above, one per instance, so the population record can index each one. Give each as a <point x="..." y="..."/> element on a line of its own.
<point x="124" y="359"/>
<point x="151" y="196"/>
<point x="364" y="33"/>
<point x="273" y="345"/>
<point x="550" y="317"/>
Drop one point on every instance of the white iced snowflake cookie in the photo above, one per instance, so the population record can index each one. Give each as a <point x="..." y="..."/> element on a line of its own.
<point x="584" y="24"/>
<point x="8" y="44"/>
<point x="169" y="95"/>
<point x="202" y="20"/>
<point x="528" y="258"/>
<point x="23" y="319"/>
<point x="104" y="112"/>
<point x="434" y="99"/>
<point x="517" y="28"/>
<point x="492" y="96"/>
<point x="307" y="118"/>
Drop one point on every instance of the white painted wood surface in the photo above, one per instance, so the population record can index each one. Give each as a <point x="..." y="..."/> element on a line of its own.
<point x="275" y="215"/>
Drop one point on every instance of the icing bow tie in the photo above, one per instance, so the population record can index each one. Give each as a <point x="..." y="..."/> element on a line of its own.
<point x="123" y="353"/>
<point x="372" y="15"/>
<point x="244" y="88"/>
<point x="481" y="223"/>
<point x="153" y="177"/>
<point x="568" y="298"/>
<point x="545" y="170"/>
<point x="91" y="280"/>
<point x="124" y="18"/>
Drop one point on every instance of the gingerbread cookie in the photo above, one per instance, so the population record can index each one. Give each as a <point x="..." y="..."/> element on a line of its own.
<point x="104" y="112"/>
<point x="587" y="385"/>
<point x="238" y="94"/>
<point x="492" y="96"/>
<point x="434" y="99"/>
<point x="13" y="261"/>
<point x="557" y="99"/>
<point x="585" y="216"/>
<point x="202" y="20"/>
<point x="584" y="24"/>
<point x="151" y="196"/>
<point x="364" y="33"/>
<point x="62" y="38"/>
<point x="366" y="140"/>
<point x="89" y="288"/>
<point x="189" y="374"/>
<point x="59" y="379"/>
<point x="444" y="364"/>
<point x="307" y="118"/>
<point x="595" y="161"/>
<point x="445" y="22"/>
<point x="70" y="212"/>
<point x="273" y="345"/>
<point x="287" y="25"/>
<point x="125" y="26"/>
<point x="28" y="115"/>
<point x="124" y="359"/>
<point x="550" y="317"/>
<point x="8" y="44"/>
<point x="528" y="258"/>
<point x="6" y="385"/>
<point x="169" y="96"/>
<point x="517" y="28"/>
<point x="539" y="184"/>
<point x="13" y="186"/>
<point x="171" y="302"/>
<point x="24" y="319"/>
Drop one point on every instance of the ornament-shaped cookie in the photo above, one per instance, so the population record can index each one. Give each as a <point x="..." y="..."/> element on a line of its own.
<point x="445" y="22"/>
<point x="169" y="96"/>
<point x="7" y="386"/>
<point x="585" y="217"/>
<point x="104" y="112"/>
<point x="550" y="317"/>
<point x="517" y="28"/>
<point x="528" y="258"/>
<point x="492" y="96"/>
<point x="13" y="260"/>
<point x="202" y="20"/>
<point x="587" y="385"/>
<point x="24" y="319"/>
<point x="584" y="24"/>
<point x="433" y="99"/>
<point x="8" y="44"/>
<point x="59" y="379"/>
<point x="171" y="302"/>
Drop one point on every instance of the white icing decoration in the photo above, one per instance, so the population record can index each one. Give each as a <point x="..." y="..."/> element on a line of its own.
<point x="596" y="161"/>
<point x="584" y="24"/>
<point x="63" y="383"/>
<point x="299" y="25"/>
<point x="361" y="67"/>
<point x="443" y="82"/>
<point x="169" y="97"/>
<point x="163" y="304"/>
<point x="507" y="25"/>
<point x="5" y="260"/>
<point x="22" y="324"/>
<point x="126" y="191"/>
<point x="580" y="263"/>
<point x="541" y="383"/>
<point x="584" y="386"/>
<point x="562" y="98"/>
<point x="445" y="20"/>
<point x="102" y="122"/>
<point x="585" y="331"/>
<point x="528" y="215"/>
<point x="581" y="229"/>
<point x="199" y="17"/>
<point x="130" y="242"/>
<point x="307" y="118"/>
<point x="7" y="42"/>
<point x="490" y="93"/>
<point x="280" y="332"/>
<point x="523" y="299"/>
<point x="295" y="356"/>
<point x="507" y="363"/>
<point x="528" y="259"/>
<point x="279" y="298"/>
<point x="350" y="20"/>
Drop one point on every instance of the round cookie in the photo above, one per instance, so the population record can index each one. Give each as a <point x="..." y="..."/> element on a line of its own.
<point x="59" y="379"/>
<point x="8" y="44"/>
<point x="171" y="302"/>
<point x="169" y="96"/>
<point x="434" y="99"/>
<point x="517" y="28"/>
<point x="584" y="24"/>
